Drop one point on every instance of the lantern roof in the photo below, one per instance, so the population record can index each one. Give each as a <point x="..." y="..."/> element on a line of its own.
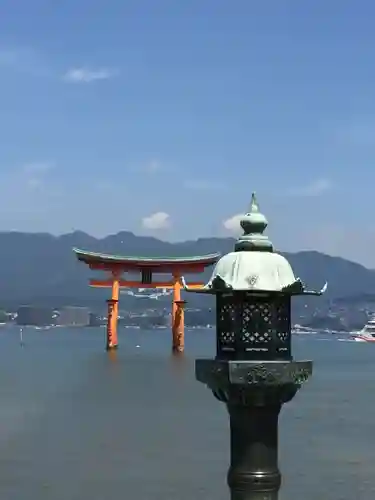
<point x="253" y="265"/>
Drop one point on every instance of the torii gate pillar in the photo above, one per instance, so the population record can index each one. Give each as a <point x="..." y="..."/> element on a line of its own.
<point x="112" y="340"/>
<point x="178" y="327"/>
<point x="178" y="317"/>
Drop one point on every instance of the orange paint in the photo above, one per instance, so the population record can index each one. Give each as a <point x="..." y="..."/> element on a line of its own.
<point x="179" y="331"/>
<point x="137" y="284"/>
<point x="178" y="334"/>
<point x="115" y="297"/>
<point x="112" y="342"/>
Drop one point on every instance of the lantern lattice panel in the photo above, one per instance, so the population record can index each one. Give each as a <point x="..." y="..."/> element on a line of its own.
<point x="252" y="326"/>
<point x="256" y="321"/>
<point x="283" y="321"/>
<point x="226" y="322"/>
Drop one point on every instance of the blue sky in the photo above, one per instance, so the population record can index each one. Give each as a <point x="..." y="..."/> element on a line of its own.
<point x="161" y="117"/>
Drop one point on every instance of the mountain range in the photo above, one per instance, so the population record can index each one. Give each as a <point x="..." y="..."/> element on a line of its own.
<point x="39" y="268"/>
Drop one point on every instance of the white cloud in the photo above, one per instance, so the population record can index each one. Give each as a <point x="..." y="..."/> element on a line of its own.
<point x="355" y="133"/>
<point x="233" y="224"/>
<point x="10" y="57"/>
<point x="22" y="59"/>
<point x="34" y="174"/>
<point x="203" y="185"/>
<point x="315" y="188"/>
<point x="158" y="220"/>
<point x="150" y="167"/>
<point x="38" y="167"/>
<point x="27" y="60"/>
<point x="153" y="166"/>
<point x="34" y="183"/>
<point x="88" y="75"/>
<point x="105" y="185"/>
<point x="28" y="187"/>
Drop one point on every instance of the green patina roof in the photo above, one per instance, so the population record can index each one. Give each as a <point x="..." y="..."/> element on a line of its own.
<point x="87" y="256"/>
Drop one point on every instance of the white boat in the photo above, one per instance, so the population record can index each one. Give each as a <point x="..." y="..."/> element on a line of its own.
<point x="367" y="334"/>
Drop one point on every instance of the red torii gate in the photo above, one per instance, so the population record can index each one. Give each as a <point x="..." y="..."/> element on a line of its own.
<point x="116" y="266"/>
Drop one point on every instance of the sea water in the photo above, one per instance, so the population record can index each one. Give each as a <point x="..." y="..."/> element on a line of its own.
<point x="78" y="423"/>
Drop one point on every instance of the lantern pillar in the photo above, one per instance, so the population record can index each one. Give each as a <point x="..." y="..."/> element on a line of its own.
<point x="254" y="442"/>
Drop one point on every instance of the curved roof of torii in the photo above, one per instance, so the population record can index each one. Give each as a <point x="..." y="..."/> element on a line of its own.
<point x="95" y="257"/>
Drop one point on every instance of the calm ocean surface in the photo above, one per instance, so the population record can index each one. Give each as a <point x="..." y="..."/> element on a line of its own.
<point x="76" y="423"/>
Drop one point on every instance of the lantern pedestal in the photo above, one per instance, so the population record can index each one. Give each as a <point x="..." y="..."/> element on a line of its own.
<point x="254" y="393"/>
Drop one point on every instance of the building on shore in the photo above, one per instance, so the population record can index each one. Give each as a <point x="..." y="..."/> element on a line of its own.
<point x="34" y="316"/>
<point x="73" y="316"/>
<point x="146" y="320"/>
<point x="96" y="320"/>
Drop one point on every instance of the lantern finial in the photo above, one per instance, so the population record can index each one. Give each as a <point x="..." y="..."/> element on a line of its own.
<point x="254" y="224"/>
<point x="254" y="207"/>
